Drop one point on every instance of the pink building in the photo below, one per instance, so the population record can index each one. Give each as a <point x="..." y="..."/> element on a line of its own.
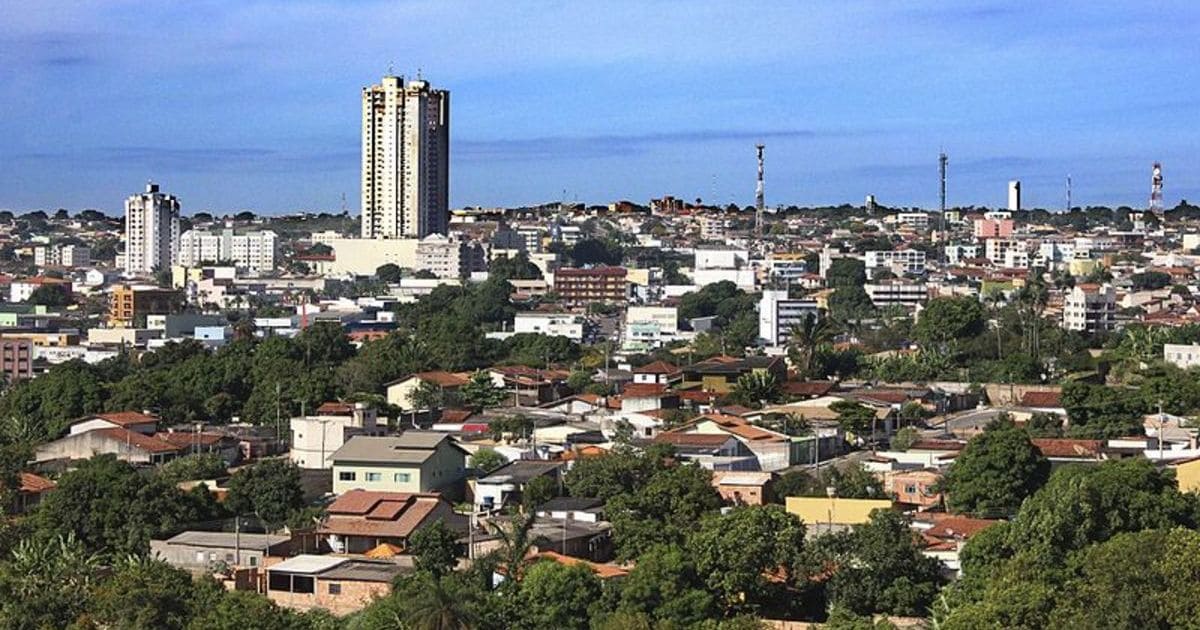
<point x="993" y="228"/>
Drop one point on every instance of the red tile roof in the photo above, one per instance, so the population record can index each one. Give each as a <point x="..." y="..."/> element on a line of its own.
<point x="35" y="484"/>
<point x="186" y="439"/>
<point x="381" y="514"/>
<point x="1062" y="447"/>
<point x="1041" y="399"/>
<point x="657" y="367"/>
<point x="701" y="440"/>
<point x="126" y="418"/>
<point x="147" y="443"/>
<point x="602" y="571"/>
<point x="959" y="527"/>
<point x="644" y="390"/>
<point x="807" y="388"/>
<point x="334" y="408"/>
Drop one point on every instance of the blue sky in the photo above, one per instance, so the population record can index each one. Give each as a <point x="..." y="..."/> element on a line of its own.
<point x="255" y="104"/>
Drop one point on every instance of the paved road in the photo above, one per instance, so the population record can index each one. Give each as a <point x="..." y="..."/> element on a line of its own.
<point x="966" y="421"/>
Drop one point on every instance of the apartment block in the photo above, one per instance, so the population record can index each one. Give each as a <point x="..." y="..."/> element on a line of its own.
<point x="597" y="284"/>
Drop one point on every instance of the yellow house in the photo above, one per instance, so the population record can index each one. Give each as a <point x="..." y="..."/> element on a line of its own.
<point x="834" y="511"/>
<point x="1187" y="475"/>
<point x="415" y="461"/>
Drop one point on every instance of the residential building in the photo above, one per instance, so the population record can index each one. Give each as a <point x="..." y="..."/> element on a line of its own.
<point x="62" y="256"/>
<point x="142" y="423"/>
<point x="914" y="220"/>
<point x="577" y="287"/>
<point x="414" y="461"/>
<point x="16" y="360"/>
<point x="1090" y="308"/>
<point x="255" y="251"/>
<point x="315" y="438"/>
<point x="717" y="264"/>
<point x="985" y="228"/>
<point x="743" y="488"/>
<point x="126" y="445"/>
<point x="566" y="325"/>
<point x="719" y="374"/>
<point x="400" y="391"/>
<point x="449" y="256"/>
<point x="911" y="261"/>
<point x="21" y="290"/>
<point x="361" y="520"/>
<point x="405" y="159"/>
<point x="200" y="552"/>
<point x="896" y="293"/>
<point x="648" y="327"/>
<point x="1181" y="355"/>
<point x="834" y="511"/>
<point x="777" y="313"/>
<point x="505" y="485"/>
<point x="714" y="451"/>
<point x="338" y="584"/>
<point x="129" y="303"/>
<point x="151" y="231"/>
<point x="996" y="250"/>
<point x="657" y="373"/>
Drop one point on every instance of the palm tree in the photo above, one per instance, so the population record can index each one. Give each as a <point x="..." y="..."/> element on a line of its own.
<point x="440" y="604"/>
<point x="756" y="388"/>
<point x="516" y="541"/>
<point x="426" y="396"/>
<point x="803" y="340"/>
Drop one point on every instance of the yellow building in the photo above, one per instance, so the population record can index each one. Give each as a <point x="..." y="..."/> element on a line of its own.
<point x="1187" y="475"/>
<point x="415" y="461"/>
<point x="835" y="511"/>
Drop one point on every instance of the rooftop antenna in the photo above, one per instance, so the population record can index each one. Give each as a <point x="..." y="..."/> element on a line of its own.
<point x="391" y="69"/>
<point x="343" y="203"/>
<point x="418" y="74"/>
<point x="758" y="196"/>
<point x="1156" y="186"/>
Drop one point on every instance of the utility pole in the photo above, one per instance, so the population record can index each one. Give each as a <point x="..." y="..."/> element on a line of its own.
<point x="759" y="198"/>
<point x="943" y="161"/>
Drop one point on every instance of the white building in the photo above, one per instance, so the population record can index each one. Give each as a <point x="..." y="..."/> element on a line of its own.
<point x="896" y="293"/>
<point x="405" y="159"/>
<point x="958" y="252"/>
<point x="1182" y="356"/>
<point x="62" y="256"/>
<point x="717" y="265"/>
<point x="915" y="220"/>
<point x="1014" y="195"/>
<point x="316" y="437"/>
<point x="649" y="327"/>
<point x="551" y="324"/>
<point x="905" y="260"/>
<point x="448" y="257"/>
<point x="253" y="250"/>
<point x="151" y="231"/>
<point x="777" y="313"/>
<point x="996" y="250"/>
<point x="1090" y="307"/>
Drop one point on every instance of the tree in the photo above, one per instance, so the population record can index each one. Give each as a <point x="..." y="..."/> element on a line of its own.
<point x="554" y="595"/>
<point x="45" y="583"/>
<point x="880" y="568"/>
<point x="853" y="481"/>
<point x="665" y="586"/>
<point x="193" y="467"/>
<point x="996" y="471"/>
<point x="756" y="388"/>
<point x="797" y="483"/>
<point x="538" y="491"/>
<point x="804" y="339"/>
<point x="662" y="511"/>
<point x="1150" y="280"/>
<point x="853" y="417"/>
<point x="51" y="295"/>
<point x="594" y="252"/>
<point x="514" y="268"/>
<point x="905" y="438"/>
<point x="435" y="549"/>
<point x="1098" y="411"/>
<point x="946" y="320"/>
<point x="846" y="272"/>
<point x="391" y="273"/>
<point x="618" y="472"/>
<point x="269" y="490"/>
<point x="485" y="460"/>
<point x="736" y="552"/>
<point x="849" y="303"/>
<point x="479" y="392"/>
<point x="143" y="593"/>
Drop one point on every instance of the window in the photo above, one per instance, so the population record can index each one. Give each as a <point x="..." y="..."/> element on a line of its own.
<point x="346" y="476"/>
<point x="253" y="561"/>
<point x="374" y="476"/>
<point x="910" y="489"/>
<point x="200" y="557"/>
<point x="335" y="589"/>
<point x="401" y="477"/>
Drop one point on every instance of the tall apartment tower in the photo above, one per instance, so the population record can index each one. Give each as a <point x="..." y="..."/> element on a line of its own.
<point x="1014" y="195"/>
<point x="151" y="231"/>
<point x="405" y="159"/>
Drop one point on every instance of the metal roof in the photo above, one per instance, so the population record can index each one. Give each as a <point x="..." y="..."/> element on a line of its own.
<point x="308" y="564"/>
<point x="254" y="542"/>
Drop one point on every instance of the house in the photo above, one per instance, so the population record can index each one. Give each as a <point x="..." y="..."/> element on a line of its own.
<point x="414" y="461"/>
<point x="561" y="533"/>
<point x="506" y="484"/>
<point x="648" y="397"/>
<point x="1187" y="474"/>
<point x="315" y="438"/>
<point x="774" y="451"/>
<point x="834" y="512"/>
<point x="914" y="488"/>
<point x="945" y="535"/>
<point x="743" y="488"/>
<point x="719" y="374"/>
<point x="529" y="386"/>
<point x="399" y="392"/>
<point x="126" y="445"/>
<point x="338" y="584"/>
<point x="143" y="423"/>
<point x="1044" y="402"/>
<point x="602" y="571"/>
<point x="30" y="492"/>
<point x="714" y="451"/>
<point x="1062" y="451"/>
<point x="360" y="520"/>
<point x="198" y="551"/>
<point x="657" y="373"/>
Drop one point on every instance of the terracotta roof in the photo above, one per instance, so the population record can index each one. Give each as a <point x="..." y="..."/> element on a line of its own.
<point x="146" y="443"/>
<point x="657" y="367"/>
<point x="890" y="396"/>
<point x="583" y="452"/>
<point x="1041" y="399"/>
<point x="35" y="484"/>
<point x="807" y="388"/>
<point x="959" y="527"/>
<point x="602" y="571"/>
<point x="700" y="440"/>
<point x="1062" y="447"/>
<point x="382" y="514"/>
<point x="334" y="408"/>
<point x="442" y="378"/>
<point x="645" y="390"/>
<point x="456" y="415"/>
<point x="126" y="418"/>
<point x="185" y="439"/>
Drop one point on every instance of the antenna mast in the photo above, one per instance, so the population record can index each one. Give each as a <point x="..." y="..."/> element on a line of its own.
<point x="1069" y="206"/>
<point x="758" y="196"/>
<point x="1156" y="186"/>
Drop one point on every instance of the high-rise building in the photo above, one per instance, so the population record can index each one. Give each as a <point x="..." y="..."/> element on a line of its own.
<point x="1014" y="196"/>
<point x="151" y="231"/>
<point x="253" y="250"/>
<point x="405" y="159"/>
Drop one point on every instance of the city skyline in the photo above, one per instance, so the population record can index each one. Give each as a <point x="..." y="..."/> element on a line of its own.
<point x="649" y="99"/>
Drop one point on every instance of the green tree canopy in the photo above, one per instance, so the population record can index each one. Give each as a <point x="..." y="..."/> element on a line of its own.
<point x="996" y="471"/>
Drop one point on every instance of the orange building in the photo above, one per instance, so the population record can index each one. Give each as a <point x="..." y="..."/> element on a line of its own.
<point x="128" y="303"/>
